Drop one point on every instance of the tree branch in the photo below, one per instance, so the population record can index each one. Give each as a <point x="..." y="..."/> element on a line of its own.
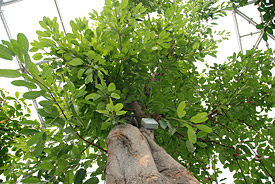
<point x="240" y="169"/>
<point x="246" y="124"/>
<point x="229" y="130"/>
<point x="204" y="140"/>
<point x="138" y="110"/>
<point x="88" y="146"/>
<point x="52" y="96"/>
<point x="256" y="154"/>
<point x="203" y="168"/>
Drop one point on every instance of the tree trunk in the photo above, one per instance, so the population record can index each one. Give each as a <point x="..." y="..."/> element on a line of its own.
<point x="134" y="158"/>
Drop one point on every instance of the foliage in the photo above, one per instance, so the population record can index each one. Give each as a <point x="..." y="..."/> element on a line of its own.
<point x="267" y="10"/>
<point x="12" y="121"/>
<point x="95" y="73"/>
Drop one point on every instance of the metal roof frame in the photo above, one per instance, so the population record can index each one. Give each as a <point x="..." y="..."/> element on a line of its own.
<point x="235" y="12"/>
<point x="2" y="3"/>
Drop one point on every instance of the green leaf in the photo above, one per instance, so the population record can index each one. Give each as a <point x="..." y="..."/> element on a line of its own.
<point x="89" y="78"/>
<point x="47" y="72"/>
<point x="110" y="107"/>
<point x="80" y="92"/>
<point x="103" y="112"/>
<point x="23" y="41"/>
<point x="27" y="59"/>
<point x="29" y="122"/>
<point x="93" y="180"/>
<point x="5" y="53"/>
<point x="260" y="26"/>
<point x="111" y="87"/>
<point x="76" y="62"/>
<point x="163" y="124"/>
<point x="33" y="94"/>
<point x="24" y="84"/>
<point x="204" y="128"/>
<point x="27" y="131"/>
<point x="39" y="146"/>
<point x="79" y="176"/>
<point x="165" y="45"/>
<point x="37" y="56"/>
<point x="245" y="149"/>
<point x="43" y="33"/>
<point x="47" y="165"/>
<point x="201" y="134"/>
<point x="30" y="180"/>
<point x="190" y="146"/>
<point x="124" y="3"/>
<point x="115" y="96"/>
<point x="9" y="73"/>
<point x="35" y="138"/>
<point x="71" y="86"/>
<point x="105" y="125"/>
<point x="201" y="144"/>
<point x="199" y="118"/>
<point x="171" y="129"/>
<point x="196" y="45"/>
<point x="80" y="73"/>
<point x="93" y="96"/>
<point x="33" y="69"/>
<point x="118" y="107"/>
<point x="119" y="113"/>
<point x="192" y="135"/>
<point x="181" y="113"/>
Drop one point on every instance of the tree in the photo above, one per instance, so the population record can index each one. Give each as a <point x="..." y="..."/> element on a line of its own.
<point x="140" y="61"/>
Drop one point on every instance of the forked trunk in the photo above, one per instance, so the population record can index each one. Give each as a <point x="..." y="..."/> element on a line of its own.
<point x="134" y="158"/>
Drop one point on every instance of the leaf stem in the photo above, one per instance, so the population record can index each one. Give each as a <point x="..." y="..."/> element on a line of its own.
<point x="241" y="170"/>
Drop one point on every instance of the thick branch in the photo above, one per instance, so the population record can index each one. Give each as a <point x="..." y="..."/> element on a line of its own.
<point x="138" y="110"/>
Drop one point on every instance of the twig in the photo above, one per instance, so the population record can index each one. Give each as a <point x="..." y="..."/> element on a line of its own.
<point x="87" y="140"/>
<point x="256" y="154"/>
<point x="87" y="146"/>
<point x="203" y="168"/>
<point x="241" y="170"/>
<point x="229" y="130"/>
<point x="204" y="140"/>
<point x="176" y="147"/>
<point x="52" y="96"/>
<point x="246" y="124"/>
<point x="214" y="111"/>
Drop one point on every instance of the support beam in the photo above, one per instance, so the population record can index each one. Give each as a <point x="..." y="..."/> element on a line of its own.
<point x="237" y="30"/>
<point x="60" y="17"/>
<point x="8" y="2"/>
<point x="251" y="34"/>
<point x="20" y="67"/>
<point x="251" y="21"/>
<point x="258" y="40"/>
<point x="5" y="23"/>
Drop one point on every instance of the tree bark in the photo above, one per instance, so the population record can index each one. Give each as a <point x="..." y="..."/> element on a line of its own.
<point x="134" y="158"/>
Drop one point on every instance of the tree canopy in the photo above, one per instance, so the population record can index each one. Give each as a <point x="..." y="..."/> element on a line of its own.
<point x="142" y="52"/>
